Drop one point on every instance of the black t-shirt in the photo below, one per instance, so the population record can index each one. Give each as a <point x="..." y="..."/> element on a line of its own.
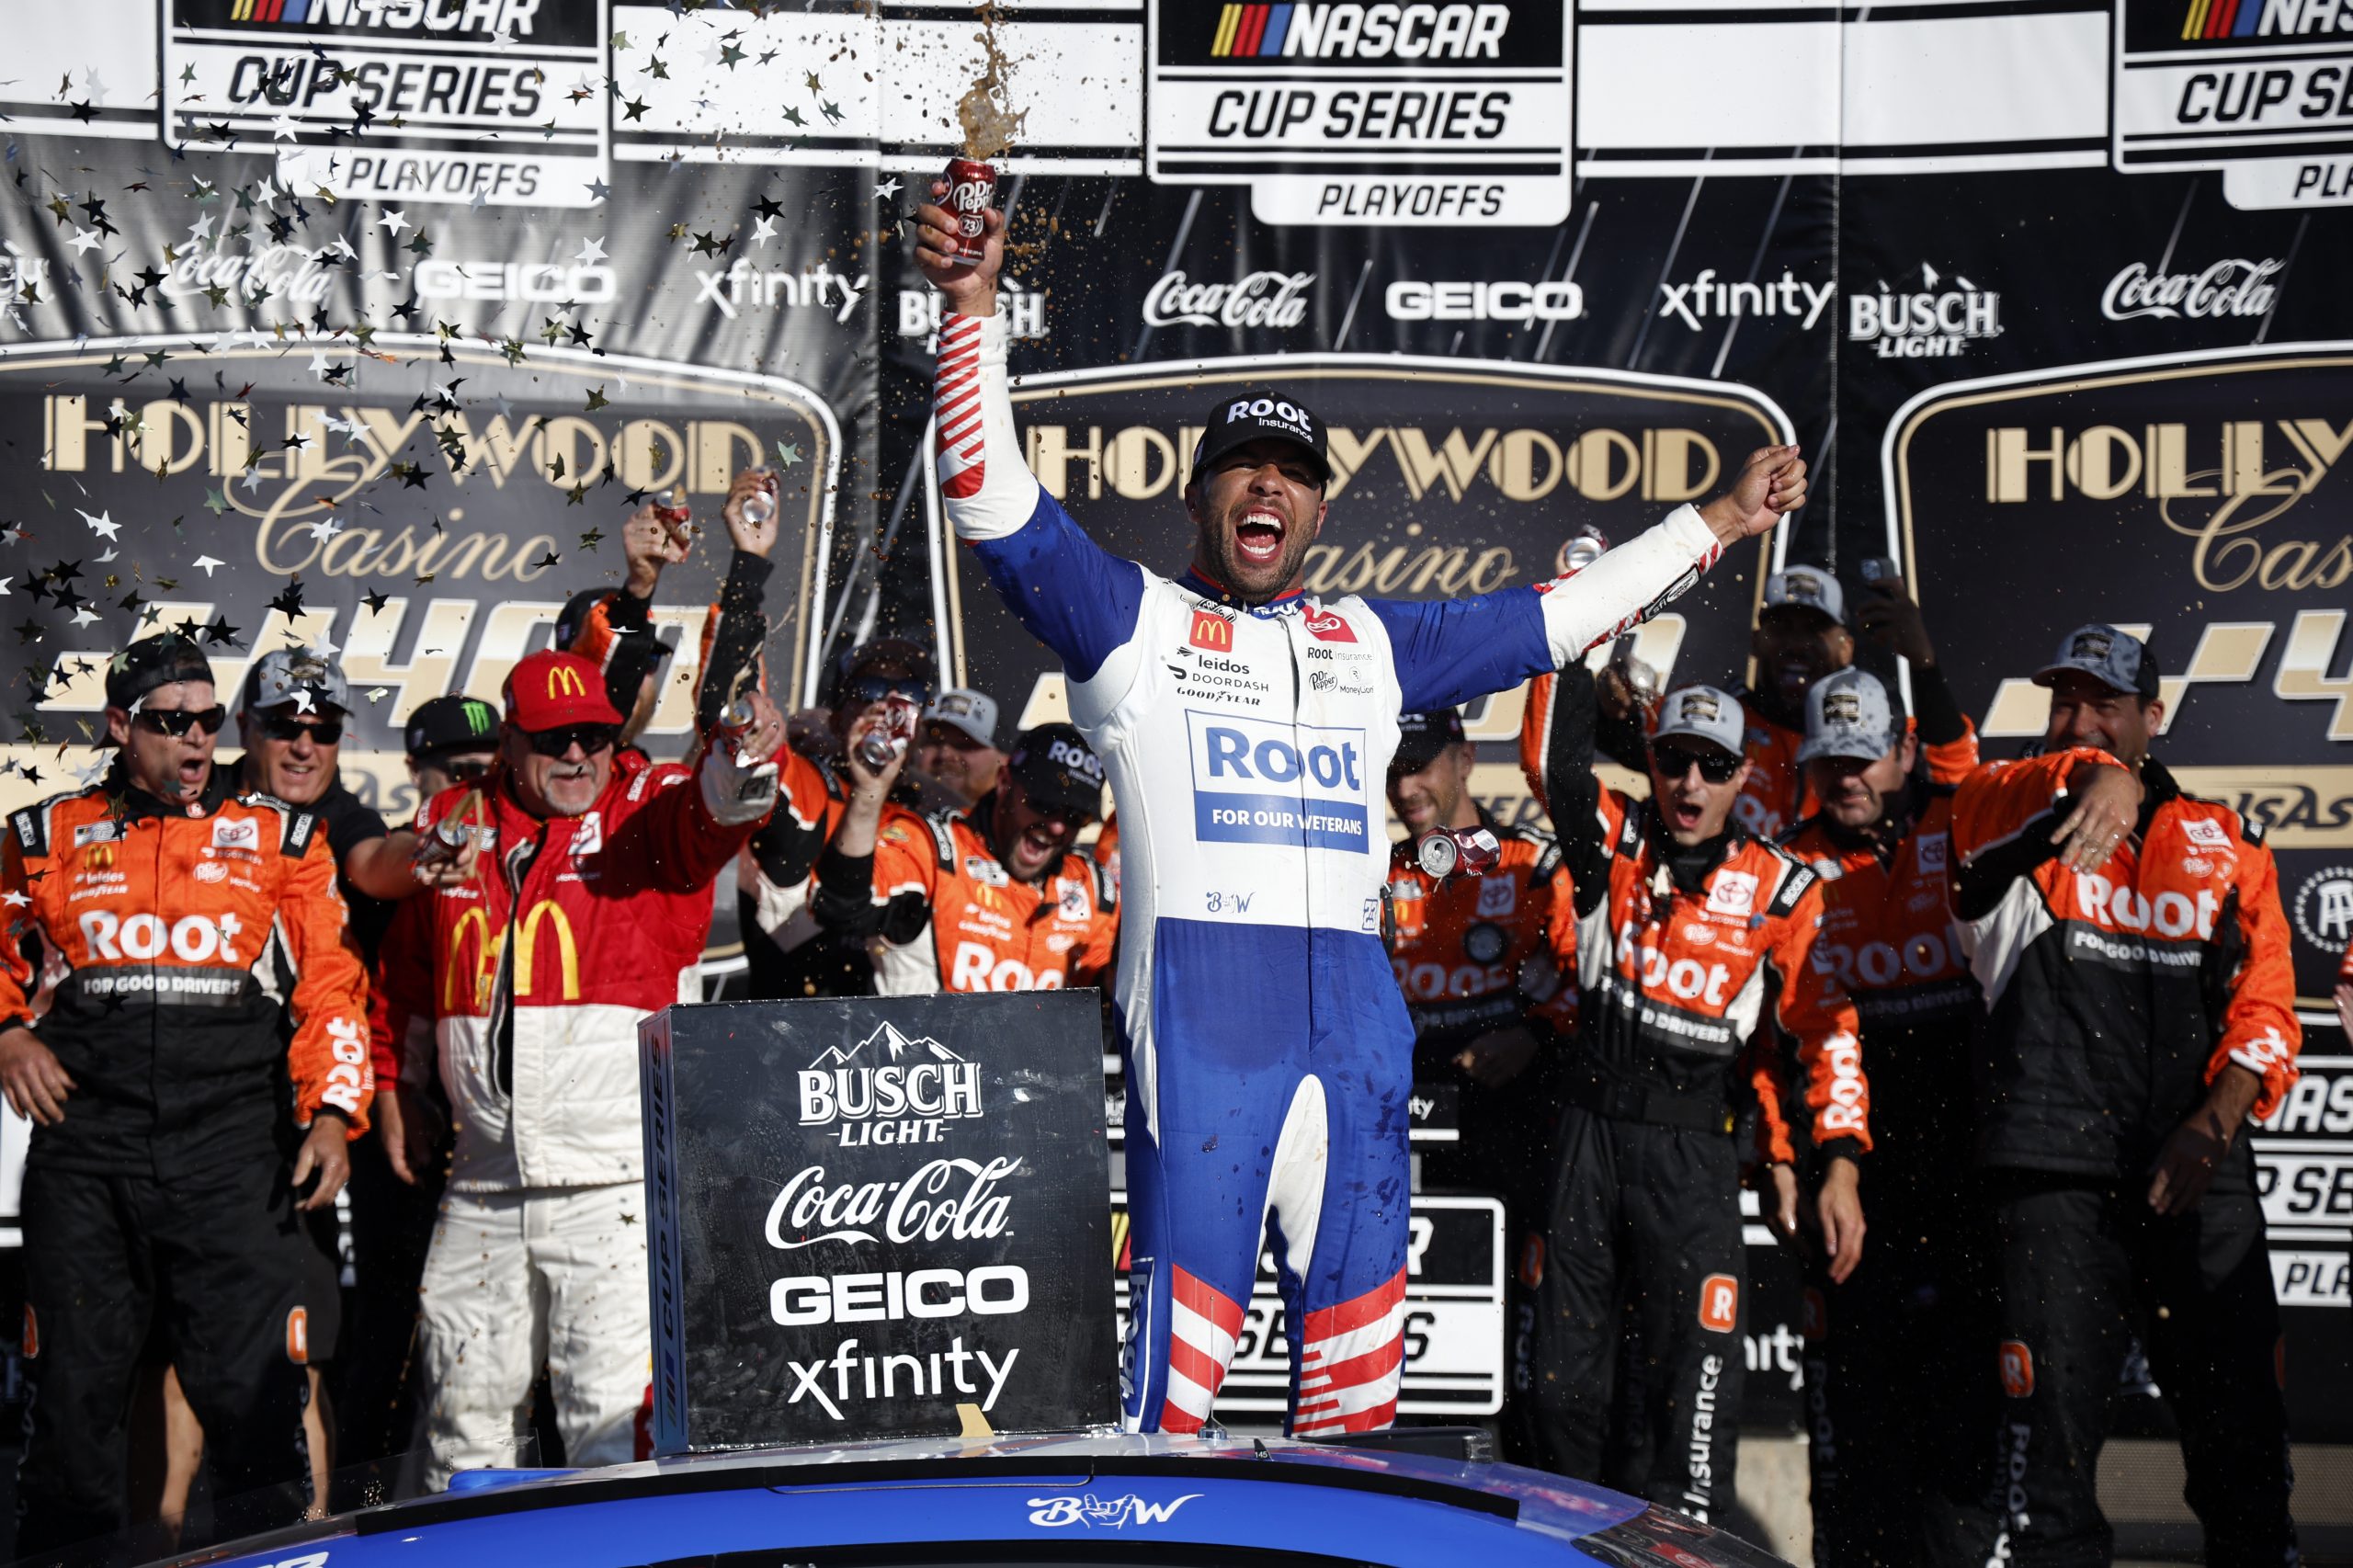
<point x="351" y="823"/>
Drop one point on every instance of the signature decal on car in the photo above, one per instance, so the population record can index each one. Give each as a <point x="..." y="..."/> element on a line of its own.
<point x="1111" y="1513"/>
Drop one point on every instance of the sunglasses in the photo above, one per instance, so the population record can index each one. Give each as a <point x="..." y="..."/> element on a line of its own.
<point x="177" y="721"/>
<point x="1673" y="762"/>
<point x="282" y="727"/>
<point x="464" y="769"/>
<point x="870" y="690"/>
<point x="590" y="738"/>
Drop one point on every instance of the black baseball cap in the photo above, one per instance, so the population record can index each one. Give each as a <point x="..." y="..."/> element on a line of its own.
<point x="152" y="662"/>
<point x="1057" y="769"/>
<point x="450" y="723"/>
<point x="1260" y="414"/>
<point x="1421" y="737"/>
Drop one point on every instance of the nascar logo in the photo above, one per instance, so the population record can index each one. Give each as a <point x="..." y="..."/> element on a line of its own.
<point x="487" y="16"/>
<point x="2268" y="19"/>
<point x="1349" y="32"/>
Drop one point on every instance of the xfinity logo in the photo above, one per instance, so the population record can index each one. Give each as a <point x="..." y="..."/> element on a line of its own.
<point x="2233" y="287"/>
<point x="512" y="280"/>
<point x="746" y="285"/>
<point x="1708" y="295"/>
<point x="1522" y="302"/>
<point x="1258" y="299"/>
<point x="1934" y="323"/>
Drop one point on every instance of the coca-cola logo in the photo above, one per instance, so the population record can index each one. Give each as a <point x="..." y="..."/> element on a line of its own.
<point x="2231" y="287"/>
<point x="944" y="1199"/>
<point x="1258" y="299"/>
<point x="288" y="270"/>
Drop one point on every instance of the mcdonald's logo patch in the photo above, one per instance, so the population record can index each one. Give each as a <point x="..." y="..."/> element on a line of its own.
<point x="564" y="681"/>
<point x="298" y="1335"/>
<point x="526" y="942"/>
<point x="1719" y="1303"/>
<point x="1212" y="629"/>
<point x="2017" y="1368"/>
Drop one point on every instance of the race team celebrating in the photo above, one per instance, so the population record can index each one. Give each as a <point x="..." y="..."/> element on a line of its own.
<point x="1983" y="1038"/>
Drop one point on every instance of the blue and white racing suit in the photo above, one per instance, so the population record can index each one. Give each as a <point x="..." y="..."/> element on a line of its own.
<point x="1268" y="1054"/>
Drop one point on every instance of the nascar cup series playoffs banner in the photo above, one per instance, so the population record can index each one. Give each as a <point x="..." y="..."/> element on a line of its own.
<point x="365" y="324"/>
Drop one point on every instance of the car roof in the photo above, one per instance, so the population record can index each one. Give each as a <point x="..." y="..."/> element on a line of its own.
<point x="1375" y="1504"/>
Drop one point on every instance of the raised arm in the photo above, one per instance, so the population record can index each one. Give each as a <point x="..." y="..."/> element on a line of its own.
<point x="1072" y="595"/>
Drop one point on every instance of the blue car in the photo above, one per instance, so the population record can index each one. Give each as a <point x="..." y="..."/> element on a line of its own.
<point x="1093" y="1499"/>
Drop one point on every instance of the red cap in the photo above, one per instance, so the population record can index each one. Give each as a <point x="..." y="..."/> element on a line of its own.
<point x="550" y="690"/>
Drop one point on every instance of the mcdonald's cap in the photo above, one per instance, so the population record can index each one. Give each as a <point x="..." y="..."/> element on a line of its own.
<point x="551" y="689"/>
<point x="450" y="723"/>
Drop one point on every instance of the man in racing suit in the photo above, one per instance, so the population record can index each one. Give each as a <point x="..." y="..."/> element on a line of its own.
<point x="2141" y="995"/>
<point x="1686" y="928"/>
<point x="173" y="931"/>
<point x="1268" y="1055"/>
<point x="1892" y="1355"/>
<point x="522" y="986"/>
<point x="994" y="899"/>
<point x="1484" y="961"/>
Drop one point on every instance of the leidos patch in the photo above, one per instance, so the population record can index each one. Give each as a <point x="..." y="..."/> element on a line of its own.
<point x="1719" y="1303"/>
<point x="2017" y="1368"/>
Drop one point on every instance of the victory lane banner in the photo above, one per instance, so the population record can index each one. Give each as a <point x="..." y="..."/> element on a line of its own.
<point x="878" y="1218"/>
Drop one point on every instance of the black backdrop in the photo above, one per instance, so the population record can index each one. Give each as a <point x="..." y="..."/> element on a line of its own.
<point x="1920" y="238"/>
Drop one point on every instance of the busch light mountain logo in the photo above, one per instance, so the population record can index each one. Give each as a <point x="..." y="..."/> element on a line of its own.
<point x="889" y="1089"/>
<point x="1933" y="321"/>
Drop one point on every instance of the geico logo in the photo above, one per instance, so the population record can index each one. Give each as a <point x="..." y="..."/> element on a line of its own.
<point x="997" y="1291"/>
<point x="924" y="1088"/>
<point x="513" y="281"/>
<point x="1409" y="301"/>
<point x="192" y="940"/>
<point x="1684" y="978"/>
<point x="1926" y="955"/>
<point x="1844" y="1111"/>
<point x="1364" y="32"/>
<point x="2123" y="908"/>
<point x="1278" y="761"/>
<point x="976" y="968"/>
<point x="1433" y="982"/>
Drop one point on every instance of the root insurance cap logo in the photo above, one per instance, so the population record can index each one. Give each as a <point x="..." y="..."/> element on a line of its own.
<point x="2261" y="89"/>
<point x="1334" y="111"/>
<point x="398" y="100"/>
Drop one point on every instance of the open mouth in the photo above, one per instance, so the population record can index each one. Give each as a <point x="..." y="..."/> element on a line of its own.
<point x="1258" y="537"/>
<point x="1683" y="814"/>
<point x="191" y="772"/>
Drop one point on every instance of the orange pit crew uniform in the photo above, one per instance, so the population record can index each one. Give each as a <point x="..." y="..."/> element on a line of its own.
<point x="172" y="943"/>
<point x="1679" y="953"/>
<point x="938" y="911"/>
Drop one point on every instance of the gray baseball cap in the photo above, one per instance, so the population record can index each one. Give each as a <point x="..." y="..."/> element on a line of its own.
<point x="962" y="708"/>
<point x="2117" y="659"/>
<point x="1704" y="714"/>
<point x="278" y="677"/>
<point x="1807" y="588"/>
<point x="1848" y="714"/>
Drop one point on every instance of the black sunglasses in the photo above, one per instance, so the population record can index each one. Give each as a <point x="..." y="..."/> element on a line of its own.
<point x="1715" y="766"/>
<point x="870" y="690"/>
<point x="179" y="722"/>
<point x="284" y="727"/>
<point x="590" y="738"/>
<point x="463" y="769"/>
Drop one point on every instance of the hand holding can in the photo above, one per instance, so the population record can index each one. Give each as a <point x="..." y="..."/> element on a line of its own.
<point x="972" y="191"/>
